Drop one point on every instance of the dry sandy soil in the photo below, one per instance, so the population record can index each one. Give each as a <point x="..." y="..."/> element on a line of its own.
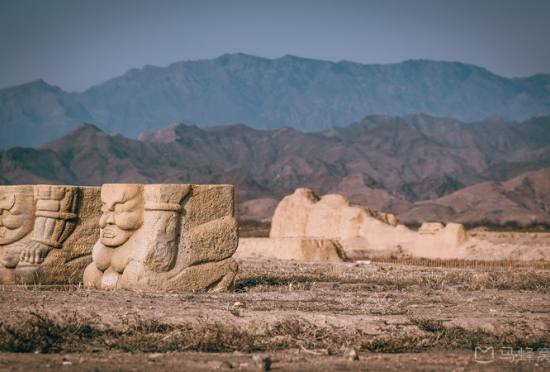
<point x="540" y="238"/>
<point x="305" y="316"/>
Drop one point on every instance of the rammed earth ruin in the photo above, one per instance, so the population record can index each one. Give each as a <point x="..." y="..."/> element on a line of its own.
<point x="330" y="228"/>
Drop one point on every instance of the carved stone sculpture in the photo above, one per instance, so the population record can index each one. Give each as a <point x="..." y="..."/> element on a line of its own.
<point x="46" y="233"/>
<point x="175" y="237"/>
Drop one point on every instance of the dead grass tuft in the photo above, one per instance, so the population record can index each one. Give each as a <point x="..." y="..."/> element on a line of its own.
<point x="269" y="281"/>
<point x="455" y="337"/>
<point x="42" y="332"/>
<point x="202" y="336"/>
<point x="383" y="277"/>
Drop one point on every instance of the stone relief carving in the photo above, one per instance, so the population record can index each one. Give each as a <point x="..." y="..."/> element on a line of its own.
<point x="46" y="232"/>
<point x="165" y="237"/>
<point x="16" y="222"/>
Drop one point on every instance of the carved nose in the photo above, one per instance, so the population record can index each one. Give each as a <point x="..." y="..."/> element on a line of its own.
<point x="110" y="219"/>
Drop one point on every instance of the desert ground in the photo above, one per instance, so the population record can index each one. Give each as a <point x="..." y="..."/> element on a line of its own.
<point x="418" y="315"/>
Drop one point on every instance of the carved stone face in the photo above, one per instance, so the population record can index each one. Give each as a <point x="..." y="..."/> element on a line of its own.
<point x="16" y="213"/>
<point x="122" y="213"/>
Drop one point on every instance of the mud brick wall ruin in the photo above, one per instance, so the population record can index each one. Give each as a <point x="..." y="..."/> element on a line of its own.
<point x="329" y="228"/>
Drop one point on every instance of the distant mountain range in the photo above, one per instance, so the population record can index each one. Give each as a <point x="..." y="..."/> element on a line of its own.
<point x="418" y="166"/>
<point x="305" y="94"/>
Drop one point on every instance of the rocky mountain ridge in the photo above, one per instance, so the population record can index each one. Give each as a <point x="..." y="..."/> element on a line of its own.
<point x="305" y="94"/>
<point x="416" y="166"/>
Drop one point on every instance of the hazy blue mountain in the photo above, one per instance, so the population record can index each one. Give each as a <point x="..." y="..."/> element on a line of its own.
<point x="305" y="94"/>
<point x="33" y="113"/>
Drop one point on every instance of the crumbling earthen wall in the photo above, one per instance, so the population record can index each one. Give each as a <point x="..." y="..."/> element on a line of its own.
<point x="361" y="231"/>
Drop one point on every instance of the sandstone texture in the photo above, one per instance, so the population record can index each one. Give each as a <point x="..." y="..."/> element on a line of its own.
<point x="47" y="233"/>
<point x="302" y="249"/>
<point x="168" y="237"/>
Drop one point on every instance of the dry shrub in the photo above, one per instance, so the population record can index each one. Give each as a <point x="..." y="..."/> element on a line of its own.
<point x="148" y="326"/>
<point x="502" y="280"/>
<point x="270" y="281"/>
<point x="462" y="263"/>
<point x="386" y="278"/>
<point x="203" y="336"/>
<point x="41" y="332"/>
<point x="295" y="333"/>
<point x="455" y="337"/>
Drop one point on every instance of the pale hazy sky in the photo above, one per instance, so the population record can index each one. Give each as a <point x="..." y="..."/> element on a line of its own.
<point x="77" y="43"/>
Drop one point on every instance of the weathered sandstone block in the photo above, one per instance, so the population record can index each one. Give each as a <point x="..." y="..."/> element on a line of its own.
<point x="174" y="237"/>
<point x="47" y="233"/>
<point x="302" y="249"/>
